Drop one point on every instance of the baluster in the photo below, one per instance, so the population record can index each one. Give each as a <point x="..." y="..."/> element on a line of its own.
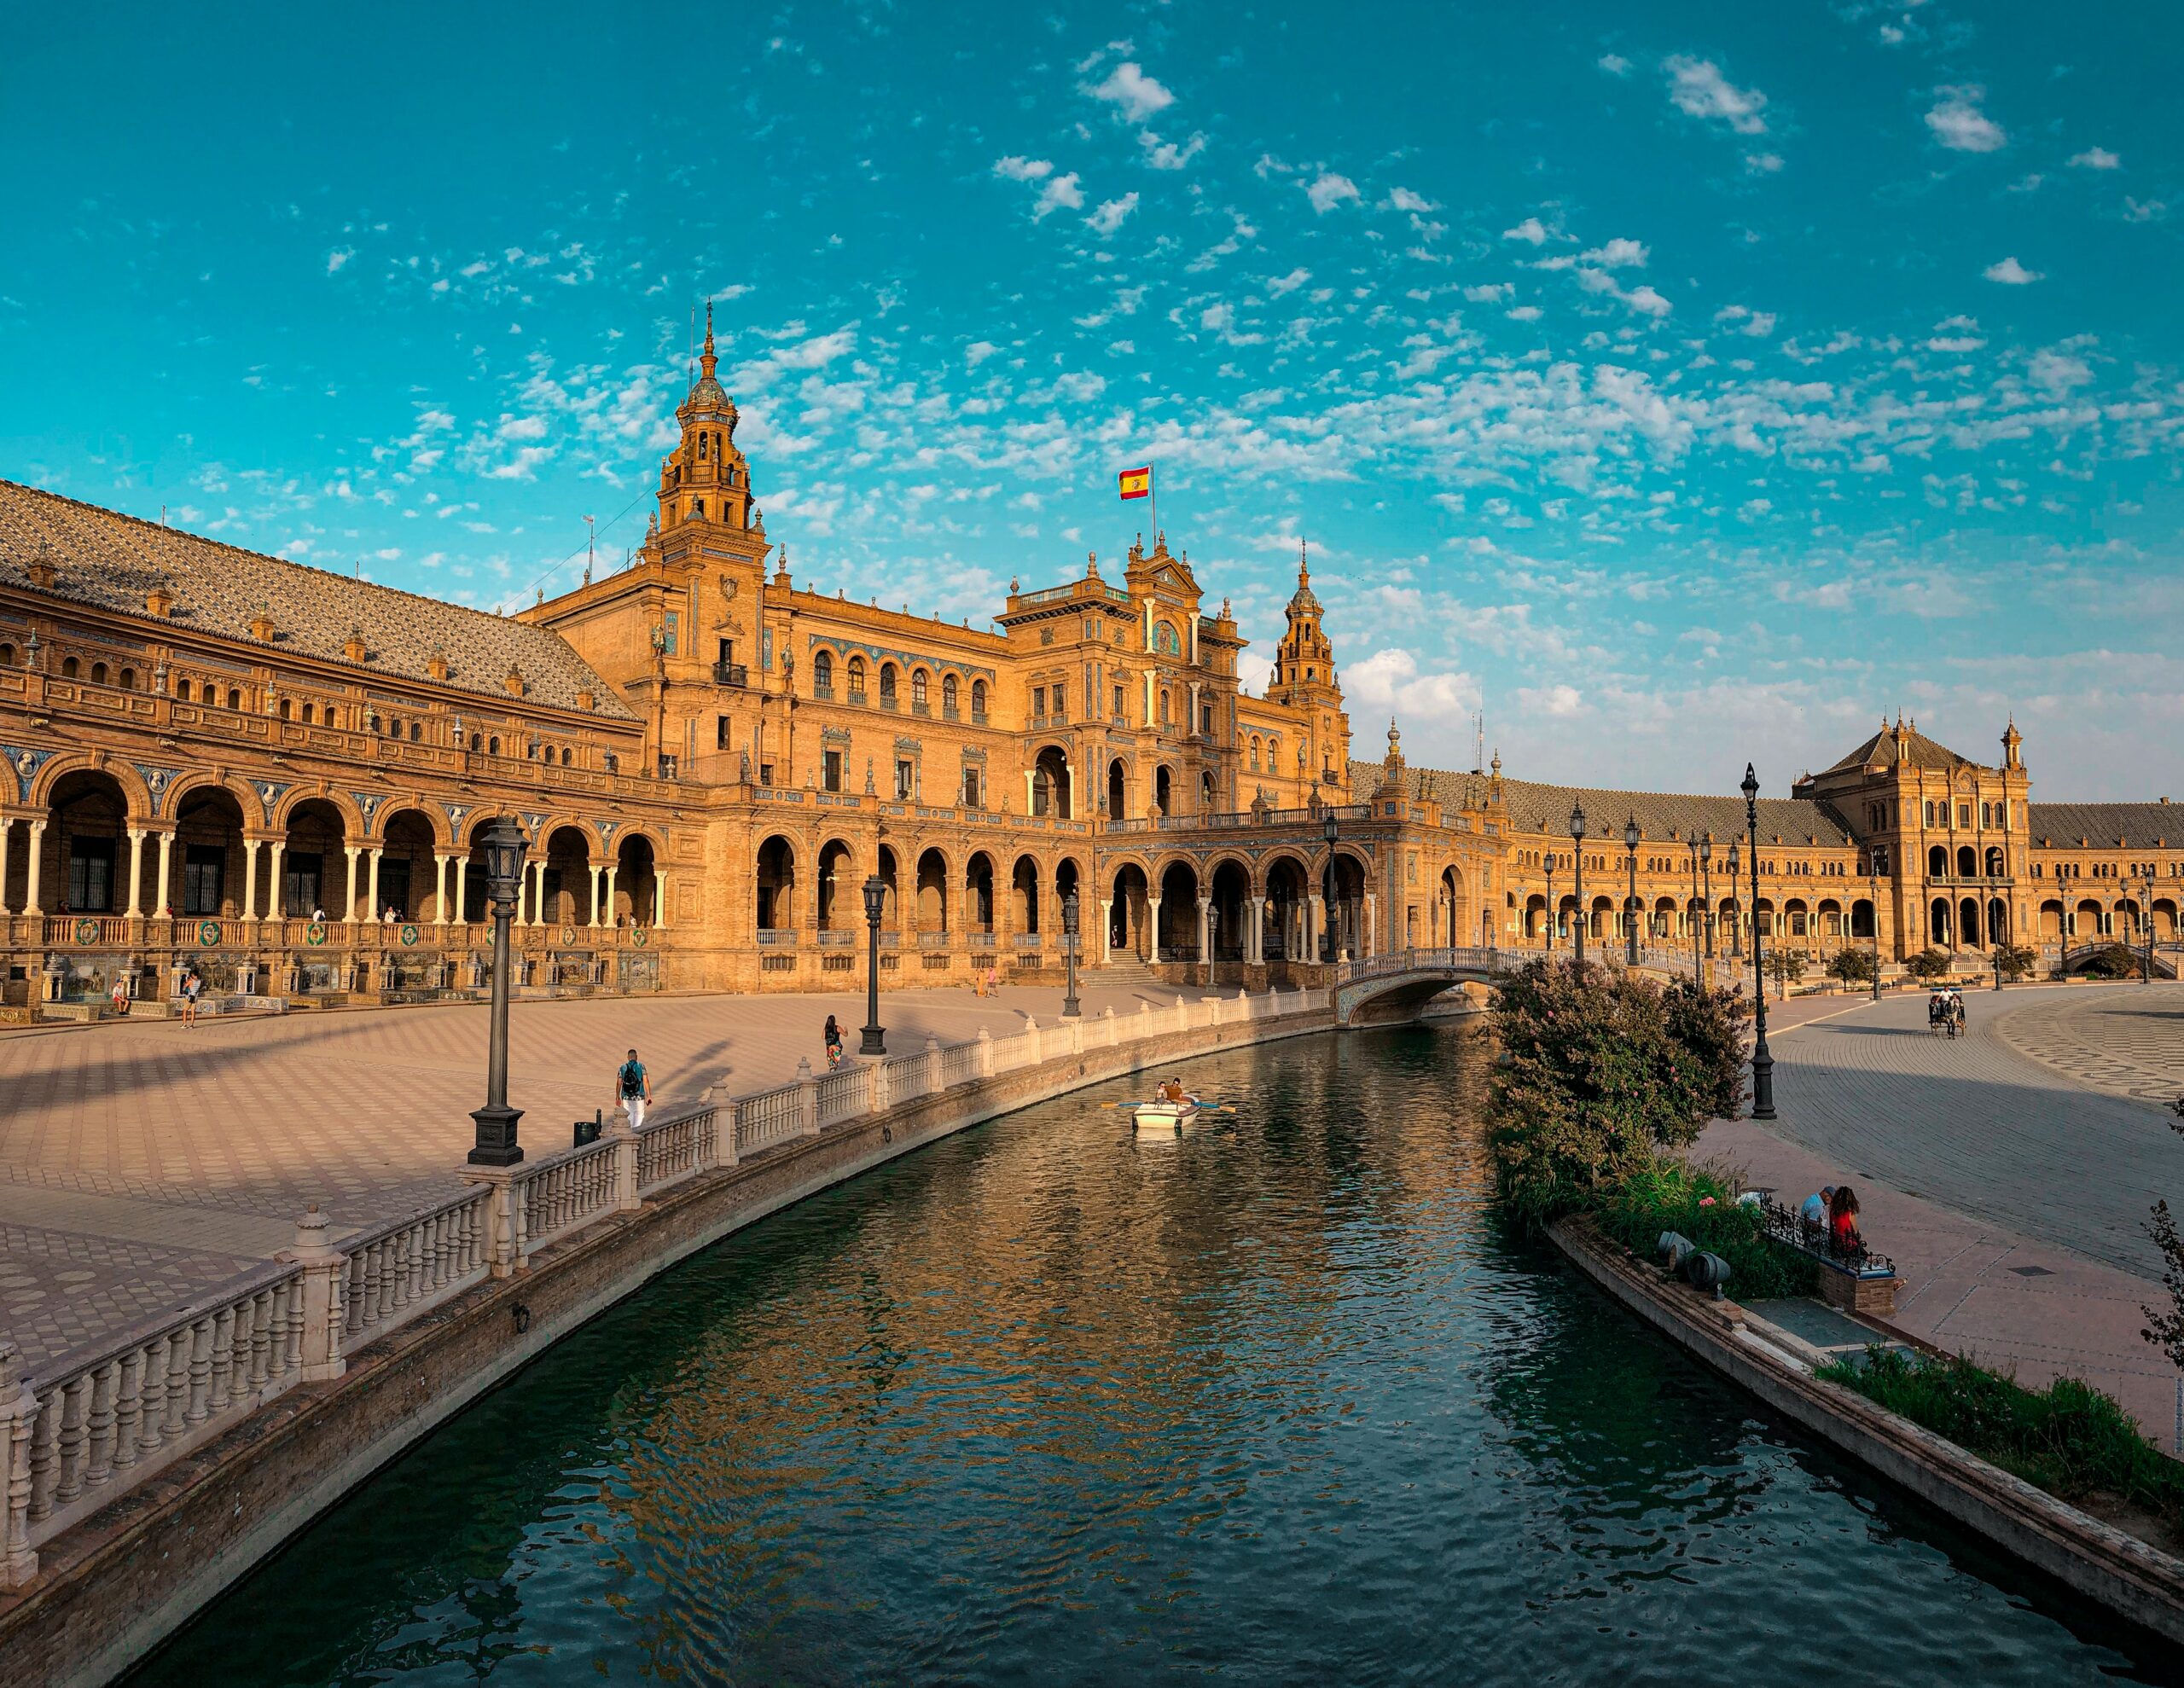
<point x="151" y="1428"/>
<point x="71" y="1480"/>
<point x="99" y="1448"/>
<point x="241" y="1382"/>
<point x="223" y="1359"/>
<point x="199" y="1374"/>
<point x="177" y="1376"/>
<point x="291" y="1309"/>
<point x="45" y="1441"/>
<point x="261" y="1339"/>
<point x="128" y="1409"/>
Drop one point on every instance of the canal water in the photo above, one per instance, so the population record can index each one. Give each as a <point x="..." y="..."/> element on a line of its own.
<point x="1277" y="1403"/>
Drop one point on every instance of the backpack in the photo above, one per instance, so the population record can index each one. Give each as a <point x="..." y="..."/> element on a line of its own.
<point x="633" y="1078"/>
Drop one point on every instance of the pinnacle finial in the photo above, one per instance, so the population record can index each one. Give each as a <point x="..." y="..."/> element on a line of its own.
<point x="1304" y="567"/>
<point x="709" y="327"/>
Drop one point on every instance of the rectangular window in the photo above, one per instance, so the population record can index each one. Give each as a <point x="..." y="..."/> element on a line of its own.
<point x="765" y="772"/>
<point x="970" y="788"/>
<point x="832" y="775"/>
<point x="90" y="875"/>
<point x="203" y="868"/>
<point x="1964" y="816"/>
<point x="301" y="877"/>
<point x="1119" y="715"/>
<point x="720" y="733"/>
<point x="1038" y="703"/>
<point x="906" y="779"/>
<point x="1061" y="703"/>
<point x="727" y="651"/>
<point x="1930" y="812"/>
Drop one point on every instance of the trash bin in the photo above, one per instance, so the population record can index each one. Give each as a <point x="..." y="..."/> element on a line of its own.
<point x="588" y="1130"/>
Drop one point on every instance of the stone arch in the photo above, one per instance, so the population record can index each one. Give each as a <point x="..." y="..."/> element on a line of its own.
<point x="570" y="850"/>
<point x="1455" y="910"/>
<point x="1968" y="923"/>
<point x="201" y="779"/>
<point x="774" y="886"/>
<point x="2086" y="920"/>
<point x="1862" y="918"/>
<point x="840" y="904"/>
<point x="890" y="693"/>
<point x="889" y="868"/>
<point x="950" y="695"/>
<point x="1285" y="883"/>
<point x="822" y="672"/>
<point x="933" y="889"/>
<point x="1228" y="883"/>
<point x="407" y="870"/>
<point x="1967" y="862"/>
<point x="1998" y="922"/>
<point x="1176" y="930"/>
<point x="1127" y="888"/>
<point x="343" y="806"/>
<point x="83" y="866"/>
<point x="1997" y="861"/>
<point x="211" y="822"/>
<point x="1164" y="791"/>
<point x="1939" y="924"/>
<point x="1117" y="790"/>
<point x="1830" y="917"/>
<point x="1023" y="894"/>
<point x="136" y="799"/>
<point x="1050" y="784"/>
<point x="1937" y="861"/>
<point x="2051" y="920"/>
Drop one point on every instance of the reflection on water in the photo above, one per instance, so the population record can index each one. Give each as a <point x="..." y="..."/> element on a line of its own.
<point x="1277" y="1403"/>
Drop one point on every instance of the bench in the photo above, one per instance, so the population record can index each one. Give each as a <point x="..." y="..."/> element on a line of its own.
<point x="1861" y="1282"/>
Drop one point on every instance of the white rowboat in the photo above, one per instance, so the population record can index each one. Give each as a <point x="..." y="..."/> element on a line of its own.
<point x="1166" y="1119"/>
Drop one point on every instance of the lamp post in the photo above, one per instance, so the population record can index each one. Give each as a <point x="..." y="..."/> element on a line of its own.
<point x="1736" y="931"/>
<point x="875" y="905"/>
<point x="2146" y="925"/>
<point x="1630" y="910"/>
<point x="495" y="1145"/>
<point x="1330" y="829"/>
<point x="1763" y="1063"/>
<point x="1550" y="901"/>
<point x="1691" y="911"/>
<point x="1577" y="869"/>
<point x="1706" y="899"/>
<point x="1070" y="1009"/>
<point x="1873" y="869"/>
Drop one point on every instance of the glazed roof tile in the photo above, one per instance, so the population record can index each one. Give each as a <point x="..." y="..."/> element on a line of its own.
<point x="103" y="558"/>
<point x="2102" y="824"/>
<point x="1535" y="808"/>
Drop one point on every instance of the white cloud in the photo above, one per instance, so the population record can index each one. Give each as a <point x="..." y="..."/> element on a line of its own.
<point x="1134" y="94"/>
<point x="1696" y="86"/>
<point x="1526" y="313"/>
<point x="1289" y="283"/>
<point x="2097" y="158"/>
<point x="1614" y="64"/>
<point x="2143" y="211"/>
<point x="338" y="257"/>
<point x="977" y="353"/>
<point x="1111" y="214"/>
<point x="1391" y="680"/>
<point x="2011" y="273"/>
<point x="1645" y="298"/>
<point x="1166" y="155"/>
<point x="1762" y="164"/>
<point x="1618" y="252"/>
<point x="1401" y="199"/>
<point x="2058" y="372"/>
<point x="1527" y="231"/>
<point x="1959" y="123"/>
<point x="1061" y="194"/>
<point x="1487" y="291"/>
<point x="1330" y="190"/>
<point x="1019" y="169"/>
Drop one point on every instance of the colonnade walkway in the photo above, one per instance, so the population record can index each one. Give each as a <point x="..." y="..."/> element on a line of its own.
<point x="143" y="1162"/>
<point x="2009" y="1173"/>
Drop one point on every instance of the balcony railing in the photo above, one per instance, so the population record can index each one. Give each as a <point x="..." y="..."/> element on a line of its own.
<point x="777" y="938"/>
<point x="823" y="691"/>
<point x="932" y="940"/>
<point x="836" y="940"/>
<point x="978" y="717"/>
<point x="856" y="694"/>
<point x="1028" y="940"/>
<point x="731" y="674"/>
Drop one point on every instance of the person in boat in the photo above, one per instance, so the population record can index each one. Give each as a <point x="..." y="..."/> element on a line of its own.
<point x="1172" y="1094"/>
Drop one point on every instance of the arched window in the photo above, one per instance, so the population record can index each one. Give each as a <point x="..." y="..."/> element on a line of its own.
<point x="856" y="680"/>
<point x="286" y="710"/>
<point x="416" y="731"/>
<point x="822" y="674"/>
<point x="182" y="691"/>
<point x="1937" y="861"/>
<point x="918" y="695"/>
<point x="98" y="674"/>
<point x="234" y="699"/>
<point x="887" y="685"/>
<point x="7" y="656"/>
<point x="493" y="746"/>
<point x="476" y="742"/>
<point x="948" y="695"/>
<point x="128" y="678"/>
<point x="977" y="700"/>
<point x="371" y="723"/>
<point x="1255" y="756"/>
<point x="306" y="715"/>
<point x="566" y="752"/>
<point x="68" y="668"/>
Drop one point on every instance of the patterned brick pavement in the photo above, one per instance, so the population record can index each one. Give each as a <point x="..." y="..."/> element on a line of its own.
<point x="2128" y="1042"/>
<point x="144" y="1161"/>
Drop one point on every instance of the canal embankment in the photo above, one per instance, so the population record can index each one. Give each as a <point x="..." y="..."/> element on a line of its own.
<point x="145" y="1478"/>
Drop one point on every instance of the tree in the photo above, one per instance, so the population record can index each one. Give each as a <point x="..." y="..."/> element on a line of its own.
<point x="1851" y="967"/>
<point x="2112" y="961"/>
<point x="2165" y="1329"/>
<point x="1601" y="1069"/>
<point x="1928" y="964"/>
<point x="1785" y="967"/>
<point x="2015" y="960"/>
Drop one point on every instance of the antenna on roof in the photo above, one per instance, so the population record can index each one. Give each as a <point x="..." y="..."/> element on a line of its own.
<point x="163" y="515"/>
<point x="1479" y="744"/>
<point x="591" y="546"/>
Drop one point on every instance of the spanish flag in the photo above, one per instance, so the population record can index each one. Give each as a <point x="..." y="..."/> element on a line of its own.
<point x="1136" y="483"/>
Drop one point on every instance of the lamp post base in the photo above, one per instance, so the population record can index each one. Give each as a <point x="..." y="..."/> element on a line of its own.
<point x="497" y="1144"/>
<point x="875" y="1042"/>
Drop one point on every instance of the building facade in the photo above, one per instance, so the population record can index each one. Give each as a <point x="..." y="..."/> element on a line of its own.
<point x="280" y="776"/>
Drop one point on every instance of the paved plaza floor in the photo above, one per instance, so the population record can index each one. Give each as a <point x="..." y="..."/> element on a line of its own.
<point x="143" y="1161"/>
<point x="2011" y="1191"/>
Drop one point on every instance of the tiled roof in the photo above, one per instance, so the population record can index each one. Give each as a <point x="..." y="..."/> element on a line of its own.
<point x="103" y="558"/>
<point x="2101" y="824"/>
<point x="1924" y="753"/>
<point x="1535" y="808"/>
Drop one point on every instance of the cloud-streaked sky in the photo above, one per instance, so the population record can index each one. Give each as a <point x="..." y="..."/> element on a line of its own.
<point x="1683" y="383"/>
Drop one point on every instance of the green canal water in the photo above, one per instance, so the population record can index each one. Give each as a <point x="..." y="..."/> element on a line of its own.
<point x="1278" y="1403"/>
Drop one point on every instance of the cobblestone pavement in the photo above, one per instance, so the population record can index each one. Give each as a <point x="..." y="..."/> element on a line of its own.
<point x="2127" y="1040"/>
<point x="144" y="1161"/>
<point x="1976" y="1126"/>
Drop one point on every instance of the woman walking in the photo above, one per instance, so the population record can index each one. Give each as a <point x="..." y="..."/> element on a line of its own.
<point x="834" y="1043"/>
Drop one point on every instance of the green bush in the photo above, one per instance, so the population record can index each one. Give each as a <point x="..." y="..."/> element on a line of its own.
<point x="1601" y="1069"/>
<point x="2069" y="1438"/>
<point x="2112" y="961"/>
<point x="1669" y="1197"/>
<point x="1851" y="967"/>
<point x="1928" y="964"/>
<point x="2016" y="961"/>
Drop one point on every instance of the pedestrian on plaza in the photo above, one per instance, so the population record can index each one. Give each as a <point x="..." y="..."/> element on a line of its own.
<point x="192" y="985"/>
<point x="633" y="1088"/>
<point x="1843" y="1222"/>
<point x="120" y="995"/>
<point x="993" y="978"/>
<point x="1815" y="1210"/>
<point x="834" y="1036"/>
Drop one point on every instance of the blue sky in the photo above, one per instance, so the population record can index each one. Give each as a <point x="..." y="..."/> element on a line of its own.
<point x="1684" y="384"/>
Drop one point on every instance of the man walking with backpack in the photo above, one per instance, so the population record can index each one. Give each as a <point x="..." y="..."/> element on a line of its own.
<point x="632" y="1088"/>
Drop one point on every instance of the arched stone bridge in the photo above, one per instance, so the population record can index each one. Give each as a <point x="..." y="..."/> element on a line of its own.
<point x="1394" y="986"/>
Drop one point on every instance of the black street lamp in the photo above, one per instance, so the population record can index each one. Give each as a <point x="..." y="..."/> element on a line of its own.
<point x="875" y="905"/>
<point x="1551" y="910"/>
<point x="1874" y="868"/>
<point x="1763" y="1063"/>
<point x="1736" y="929"/>
<point x="495" y="1145"/>
<point x="1070" y="1010"/>
<point x="1330" y="829"/>
<point x="1630" y="913"/>
<point x="2145" y="924"/>
<point x="1706" y="898"/>
<point x="1577" y="893"/>
<point x="1691" y="917"/>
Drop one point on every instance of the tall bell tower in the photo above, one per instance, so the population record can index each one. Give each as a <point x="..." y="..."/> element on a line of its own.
<point x="705" y="479"/>
<point x="1304" y="681"/>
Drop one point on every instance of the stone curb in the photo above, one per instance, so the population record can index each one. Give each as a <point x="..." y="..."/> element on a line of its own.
<point x="2130" y="1578"/>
